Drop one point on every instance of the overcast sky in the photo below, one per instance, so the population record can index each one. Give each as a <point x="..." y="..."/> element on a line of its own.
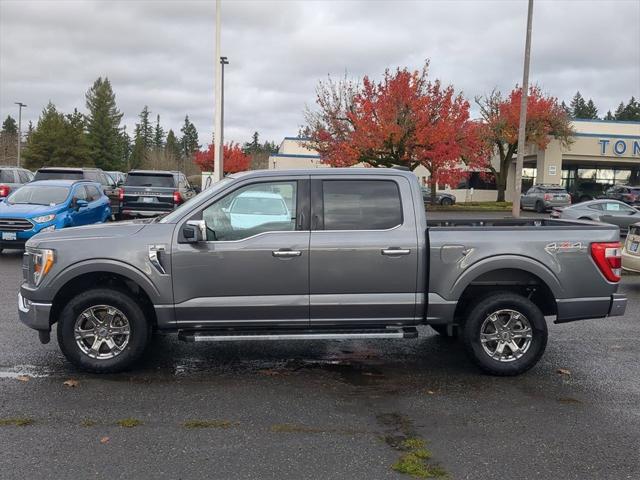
<point x="160" y="53"/>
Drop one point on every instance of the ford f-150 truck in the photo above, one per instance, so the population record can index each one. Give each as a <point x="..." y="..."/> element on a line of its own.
<point x="317" y="254"/>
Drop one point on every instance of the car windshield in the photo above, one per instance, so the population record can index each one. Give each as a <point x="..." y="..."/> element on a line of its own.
<point x="58" y="175"/>
<point x="38" y="195"/>
<point x="259" y="206"/>
<point x="150" y="180"/>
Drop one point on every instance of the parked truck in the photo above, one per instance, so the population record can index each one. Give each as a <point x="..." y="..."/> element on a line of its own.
<point x="317" y="254"/>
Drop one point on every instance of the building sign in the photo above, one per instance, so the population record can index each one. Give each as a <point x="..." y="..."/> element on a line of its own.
<point x="620" y="147"/>
<point x="552" y="170"/>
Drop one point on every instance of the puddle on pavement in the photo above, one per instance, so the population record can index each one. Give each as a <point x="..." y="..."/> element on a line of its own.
<point x="25" y="371"/>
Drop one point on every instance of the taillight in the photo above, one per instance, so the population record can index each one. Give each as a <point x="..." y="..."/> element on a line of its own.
<point x="548" y="196"/>
<point x="177" y="198"/>
<point x="4" y="190"/>
<point x="608" y="258"/>
<point x="120" y="194"/>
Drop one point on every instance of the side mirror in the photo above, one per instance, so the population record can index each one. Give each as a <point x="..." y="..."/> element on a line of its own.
<point x="197" y="189"/>
<point x="193" y="231"/>
<point x="81" y="204"/>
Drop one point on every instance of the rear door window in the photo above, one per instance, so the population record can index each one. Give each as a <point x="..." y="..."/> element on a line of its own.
<point x="361" y="204"/>
<point x="24" y="176"/>
<point x="59" y="174"/>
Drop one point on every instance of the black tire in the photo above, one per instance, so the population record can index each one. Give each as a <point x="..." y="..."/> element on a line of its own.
<point x="442" y="331"/>
<point x="446" y="202"/>
<point x="481" y="311"/>
<point x="540" y="207"/>
<point x="139" y="336"/>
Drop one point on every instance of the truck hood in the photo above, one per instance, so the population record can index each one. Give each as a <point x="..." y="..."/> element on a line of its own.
<point x="88" y="232"/>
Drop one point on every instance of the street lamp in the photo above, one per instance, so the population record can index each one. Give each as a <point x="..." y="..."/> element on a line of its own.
<point x="20" y="105"/>
<point x="223" y="62"/>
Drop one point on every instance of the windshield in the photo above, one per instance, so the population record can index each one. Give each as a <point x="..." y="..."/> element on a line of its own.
<point x="186" y="206"/>
<point x="259" y="206"/>
<point x="149" y="180"/>
<point x="58" y="175"/>
<point x="38" y="195"/>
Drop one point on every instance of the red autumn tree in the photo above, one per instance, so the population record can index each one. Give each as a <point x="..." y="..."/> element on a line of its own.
<point x="235" y="160"/>
<point x="546" y="119"/>
<point x="405" y="119"/>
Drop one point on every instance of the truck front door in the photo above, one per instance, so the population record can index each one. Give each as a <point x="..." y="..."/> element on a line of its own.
<point x="363" y="250"/>
<point x="253" y="267"/>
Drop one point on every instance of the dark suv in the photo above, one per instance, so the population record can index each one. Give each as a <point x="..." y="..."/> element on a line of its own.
<point x="148" y="193"/>
<point x="12" y="178"/>
<point x="80" y="173"/>
<point x="624" y="193"/>
<point x="588" y="190"/>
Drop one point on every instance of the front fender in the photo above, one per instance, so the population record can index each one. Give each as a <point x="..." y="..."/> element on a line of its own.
<point x="47" y="292"/>
<point x="512" y="262"/>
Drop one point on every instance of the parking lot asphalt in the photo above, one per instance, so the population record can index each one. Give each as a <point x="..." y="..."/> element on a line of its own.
<point x="321" y="409"/>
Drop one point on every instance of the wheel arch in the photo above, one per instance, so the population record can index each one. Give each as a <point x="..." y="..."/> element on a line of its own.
<point x="520" y="275"/>
<point x="109" y="274"/>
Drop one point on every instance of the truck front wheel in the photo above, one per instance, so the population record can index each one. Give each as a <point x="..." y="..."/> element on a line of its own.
<point x="103" y="331"/>
<point x="505" y="334"/>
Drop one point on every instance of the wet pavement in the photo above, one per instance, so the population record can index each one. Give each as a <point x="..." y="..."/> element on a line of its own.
<point x="322" y="409"/>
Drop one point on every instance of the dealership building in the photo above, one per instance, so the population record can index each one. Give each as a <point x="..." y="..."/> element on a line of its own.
<point x="602" y="152"/>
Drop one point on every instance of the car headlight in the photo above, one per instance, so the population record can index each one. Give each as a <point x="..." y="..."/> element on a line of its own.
<point x="41" y="262"/>
<point x="44" y="218"/>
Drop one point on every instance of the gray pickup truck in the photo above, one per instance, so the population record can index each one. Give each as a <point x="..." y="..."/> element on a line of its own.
<point x="317" y="254"/>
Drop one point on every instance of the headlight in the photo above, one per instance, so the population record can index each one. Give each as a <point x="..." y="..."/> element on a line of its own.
<point x="42" y="260"/>
<point x="44" y="218"/>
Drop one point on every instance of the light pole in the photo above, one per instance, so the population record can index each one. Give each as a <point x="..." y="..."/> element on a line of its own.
<point x="223" y="62"/>
<point x="217" y="130"/>
<point x="523" y="116"/>
<point x="20" y="106"/>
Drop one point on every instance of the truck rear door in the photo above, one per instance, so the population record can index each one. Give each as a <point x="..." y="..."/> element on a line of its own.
<point x="363" y="250"/>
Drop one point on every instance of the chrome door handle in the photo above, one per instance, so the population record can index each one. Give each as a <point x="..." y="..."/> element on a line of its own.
<point x="286" y="253"/>
<point x="395" y="251"/>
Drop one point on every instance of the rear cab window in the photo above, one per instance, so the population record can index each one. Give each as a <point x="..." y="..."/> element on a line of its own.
<point x="59" y="175"/>
<point x="6" y="176"/>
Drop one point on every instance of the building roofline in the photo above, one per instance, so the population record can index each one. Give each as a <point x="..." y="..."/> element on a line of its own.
<point x="606" y="135"/>
<point x="294" y="155"/>
<point x="584" y="120"/>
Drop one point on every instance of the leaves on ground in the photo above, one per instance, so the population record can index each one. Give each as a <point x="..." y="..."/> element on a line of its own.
<point x="23" y="378"/>
<point x="71" y="383"/>
<point x="17" y="422"/>
<point x="208" y="424"/>
<point x="129" y="422"/>
<point x="104" y="440"/>
<point x="563" y="371"/>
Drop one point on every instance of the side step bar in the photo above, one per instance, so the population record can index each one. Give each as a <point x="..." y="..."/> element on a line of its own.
<point x="319" y="334"/>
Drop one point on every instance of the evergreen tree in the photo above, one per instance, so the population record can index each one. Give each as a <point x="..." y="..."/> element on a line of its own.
<point x="189" y="143"/>
<point x="619" y="111"/>
<point x="143" y="140"/>
<point x="609" y="116"/>
<point x="578" y="106"/>
<point x="172" y="146"/>
<point x="75" y="150"/>
<point x="103" y="125"/>
<point x="158" y="135"/>
<point x="630" y="112"/>
<point x="253" y="146"/>
<point x="566" y="109"/>
<point x="125" y="149"/>
<point x="9" y="126"/>
<point x="591" y="111"/>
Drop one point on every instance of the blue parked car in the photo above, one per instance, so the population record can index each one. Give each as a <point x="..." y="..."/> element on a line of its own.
<point x="46" y="205"/>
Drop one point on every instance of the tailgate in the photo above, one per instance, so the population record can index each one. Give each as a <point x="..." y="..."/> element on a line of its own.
<point x="148" y="198"/>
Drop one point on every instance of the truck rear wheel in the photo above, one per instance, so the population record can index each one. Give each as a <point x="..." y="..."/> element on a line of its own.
<point x="505" y="334"/>
<point x="103" y="331"/>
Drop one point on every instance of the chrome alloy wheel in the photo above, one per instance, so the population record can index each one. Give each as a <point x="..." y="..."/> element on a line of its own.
<point x="506" y="335"/>
<point x="102" y="332"/>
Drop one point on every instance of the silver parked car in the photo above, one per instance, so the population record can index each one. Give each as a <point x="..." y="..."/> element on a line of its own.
<point x="606" y="211"/>
<point x="12" y="178"/>
<point x="544" y="197"/>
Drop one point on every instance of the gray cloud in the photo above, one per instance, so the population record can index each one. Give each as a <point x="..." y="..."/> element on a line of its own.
<point x="160" y="53"/>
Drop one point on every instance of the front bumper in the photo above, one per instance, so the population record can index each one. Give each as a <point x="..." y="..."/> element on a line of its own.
<point x="34" y="315"/>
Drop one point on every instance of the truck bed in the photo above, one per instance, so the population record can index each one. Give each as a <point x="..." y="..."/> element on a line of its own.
<point x="511" y="223"/>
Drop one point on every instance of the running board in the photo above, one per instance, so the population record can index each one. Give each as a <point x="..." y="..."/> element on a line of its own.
<point x="319" y="334"/>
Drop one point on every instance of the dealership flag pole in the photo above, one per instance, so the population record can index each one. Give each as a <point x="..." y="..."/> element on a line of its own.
<point x="217" y="131"/>
<point x="523" y="117"/>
